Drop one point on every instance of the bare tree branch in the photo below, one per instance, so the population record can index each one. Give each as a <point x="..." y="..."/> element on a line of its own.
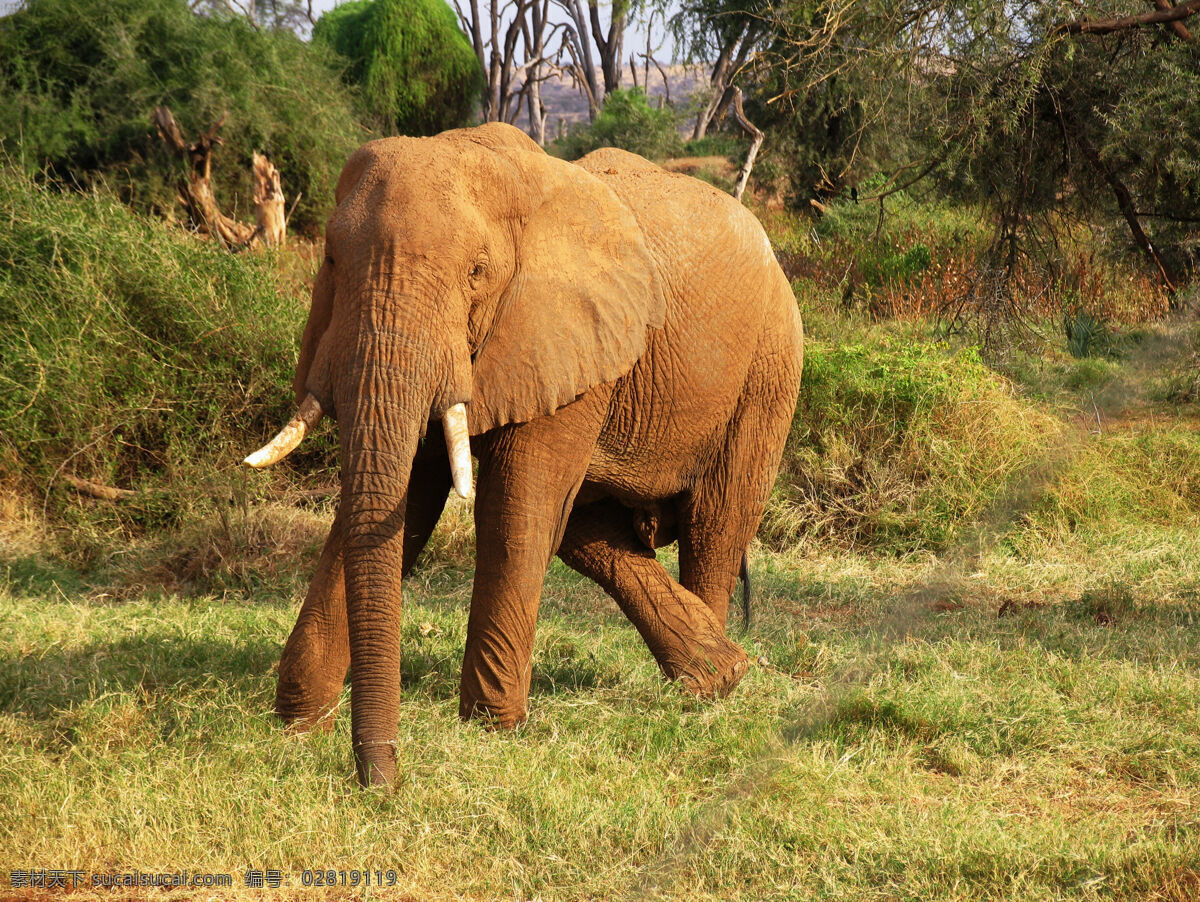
<point x="1107" y="26"/>
<point x="1177" y="26"/>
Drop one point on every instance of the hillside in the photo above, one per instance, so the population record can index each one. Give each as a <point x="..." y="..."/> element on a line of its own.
<point x="567" y="106"/>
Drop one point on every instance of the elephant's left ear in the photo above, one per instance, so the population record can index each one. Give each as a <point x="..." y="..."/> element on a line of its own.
<point x="576" y="313"/>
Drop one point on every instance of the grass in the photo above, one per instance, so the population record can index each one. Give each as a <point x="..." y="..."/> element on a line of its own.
<point x="904" y="740"/>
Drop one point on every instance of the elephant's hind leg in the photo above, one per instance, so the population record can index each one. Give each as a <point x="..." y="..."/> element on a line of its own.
<point x="684" y="636"/>
<point x="720" y="515"/>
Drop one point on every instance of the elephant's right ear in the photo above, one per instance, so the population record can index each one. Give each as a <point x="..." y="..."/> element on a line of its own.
<point x="312" y="362"/>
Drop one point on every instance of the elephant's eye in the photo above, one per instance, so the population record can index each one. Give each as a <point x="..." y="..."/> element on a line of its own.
<point x="477" y="271"/>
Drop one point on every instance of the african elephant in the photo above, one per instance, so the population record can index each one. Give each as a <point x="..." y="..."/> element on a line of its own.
<point x="623" y="351"/>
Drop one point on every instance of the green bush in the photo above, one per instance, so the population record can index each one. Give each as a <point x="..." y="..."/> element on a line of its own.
<point x="133" y="355"/>
<point x="417" y="69"/>
<point x="79" y="80"/>
<point x="897" y="443"/>
<point x="1087" y="335"/>
<point x="627" y="121"/>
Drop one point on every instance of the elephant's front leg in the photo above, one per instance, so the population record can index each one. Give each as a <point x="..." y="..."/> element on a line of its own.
<point x="317" y="654"/>
<point x="528" y="477"/>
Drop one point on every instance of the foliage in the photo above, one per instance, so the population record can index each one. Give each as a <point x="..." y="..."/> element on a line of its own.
<point x="627" y="121"/>
<point x="814" y="137"/>
<point x="1087" y="334"/>
<point x="897" y="444"/>
<point x="79" y="80"/>
<point x="133" y="356"/>
<point x="895" y="256"/>
<point x="1004" y="107"/>
<point x="417" y="69"/>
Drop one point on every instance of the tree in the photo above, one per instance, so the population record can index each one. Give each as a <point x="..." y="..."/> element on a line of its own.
<point x="1030" y="106"/>
<point x="587" y="28"/>
<point x="417" y="70"/>
<point x="296" y="15"/>
<point x="80" y="79"/>
<point x="725" y="33"/>
<point x="512" y="41"/>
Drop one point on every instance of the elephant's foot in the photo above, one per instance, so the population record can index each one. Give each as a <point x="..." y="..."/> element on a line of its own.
<point x="307" y="693"/>
<point x="303" y="709"/>
<point x="688" y="642"/>
<point x="492" y="716"/>
<point x="713" y="671"/>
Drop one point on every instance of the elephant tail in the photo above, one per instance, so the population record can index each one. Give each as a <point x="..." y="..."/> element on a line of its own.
<point x="746" y="594"/>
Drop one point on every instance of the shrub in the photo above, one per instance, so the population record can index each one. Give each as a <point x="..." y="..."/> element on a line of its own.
<point x="1087" y="334"/>
<point x="417" y="69"/>
<point x="79" y="80"/>
<point x="627" y="121"/>
<point x="896" y="444"/>
<point x="133" y="355"/>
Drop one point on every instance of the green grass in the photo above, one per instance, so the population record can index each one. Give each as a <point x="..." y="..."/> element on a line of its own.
<point x="903" y="741"/>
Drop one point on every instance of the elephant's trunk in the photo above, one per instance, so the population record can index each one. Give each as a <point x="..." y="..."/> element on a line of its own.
<point x="379" y="434"/>
<point x="393" y="377"/>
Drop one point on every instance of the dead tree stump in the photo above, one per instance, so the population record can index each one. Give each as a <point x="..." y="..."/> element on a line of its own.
<point x="268" y="202"/>
<point x="196" y="192"/>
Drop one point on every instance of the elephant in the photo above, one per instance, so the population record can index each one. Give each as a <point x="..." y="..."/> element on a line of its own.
<point x="618" y="348"/>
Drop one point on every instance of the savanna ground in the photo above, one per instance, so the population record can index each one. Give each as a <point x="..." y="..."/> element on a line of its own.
<point x="975" y="617"/>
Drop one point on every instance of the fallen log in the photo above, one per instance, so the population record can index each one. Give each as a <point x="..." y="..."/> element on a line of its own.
<point x="97" y="490"/>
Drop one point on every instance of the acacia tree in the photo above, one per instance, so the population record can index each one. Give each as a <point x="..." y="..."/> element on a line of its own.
<point x="1025" y="106"/>
<point x="726" y="34"/>
<point x="587" y="29"/>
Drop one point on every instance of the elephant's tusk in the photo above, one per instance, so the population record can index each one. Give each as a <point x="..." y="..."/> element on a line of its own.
<point x="289" y="436"/>
<point x="458" y="446"/>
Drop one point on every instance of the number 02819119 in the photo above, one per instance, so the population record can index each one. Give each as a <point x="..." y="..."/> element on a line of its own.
<point x="348" y="878"/>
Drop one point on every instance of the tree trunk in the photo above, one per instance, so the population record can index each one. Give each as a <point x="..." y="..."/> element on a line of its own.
<point x="197" y="197"/>
<point x="610" y="46"/>
<point x="1127" y="208"/>
<point x="725" y="67"/>
<point x="578" y="44"/>
<point x="268" y="202"/>
<point x="731" y="99"/>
